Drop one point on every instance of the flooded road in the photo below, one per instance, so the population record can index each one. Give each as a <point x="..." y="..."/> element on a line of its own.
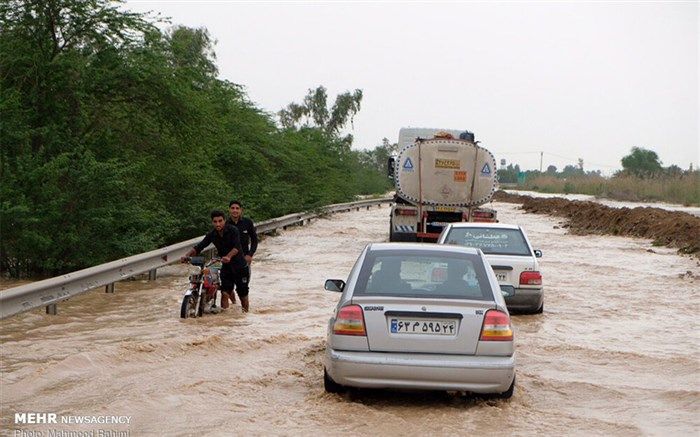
<point x="616" y="351"/>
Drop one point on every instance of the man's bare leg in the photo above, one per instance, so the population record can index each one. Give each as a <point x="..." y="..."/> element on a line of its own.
<point x="225" y="296"/>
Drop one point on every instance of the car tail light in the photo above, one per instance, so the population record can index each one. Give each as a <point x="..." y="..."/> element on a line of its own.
<point x="350" y="321"/>
<point x="496" y="327"/>
<point x="530" y="278"/>
<point x="405" y="211"/>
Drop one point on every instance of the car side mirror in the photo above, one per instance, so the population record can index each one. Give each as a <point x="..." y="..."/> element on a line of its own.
<point x="538" y="253"/>
<point x="334" y="285"/>
<point x="391" y="162"/>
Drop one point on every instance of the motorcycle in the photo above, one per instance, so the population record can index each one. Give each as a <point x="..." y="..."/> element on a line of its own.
<point x="200" y="296"/>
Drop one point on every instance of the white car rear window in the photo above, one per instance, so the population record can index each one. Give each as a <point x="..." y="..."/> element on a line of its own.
<point x="419" y="275"/>
<point x="492" y="241"/>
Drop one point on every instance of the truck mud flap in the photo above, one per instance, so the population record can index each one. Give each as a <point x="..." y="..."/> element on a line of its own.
<point x="403" y="236"/>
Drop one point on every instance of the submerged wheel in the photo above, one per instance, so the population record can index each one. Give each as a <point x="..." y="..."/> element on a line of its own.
<point x="331" y="386"/>
<point x="191" y="306"/>
<point x="508" y="393"/>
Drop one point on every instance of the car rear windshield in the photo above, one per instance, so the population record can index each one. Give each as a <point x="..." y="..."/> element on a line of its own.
<point x="417" y="274"/>
<point x="493" y="241"/>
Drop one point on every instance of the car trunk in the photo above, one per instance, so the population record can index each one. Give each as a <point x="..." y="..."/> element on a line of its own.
<point x="445" y="326"/>
<point x="508" y="267"/>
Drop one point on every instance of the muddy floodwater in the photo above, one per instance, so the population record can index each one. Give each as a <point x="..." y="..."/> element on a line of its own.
<point x="616" y="351"/>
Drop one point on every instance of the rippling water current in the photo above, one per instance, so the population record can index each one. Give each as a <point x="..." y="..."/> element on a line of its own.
<point x="615" y="352"/>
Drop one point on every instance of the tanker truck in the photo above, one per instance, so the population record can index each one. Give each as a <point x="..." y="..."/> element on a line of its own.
<point x="440" y="176"/>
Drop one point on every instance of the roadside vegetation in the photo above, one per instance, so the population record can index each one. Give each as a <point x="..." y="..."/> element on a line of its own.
<point x="642" y="178"/>
<point x="118" y="138"/>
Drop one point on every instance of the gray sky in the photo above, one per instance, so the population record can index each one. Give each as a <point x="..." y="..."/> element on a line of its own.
<point x="575" y="80"/>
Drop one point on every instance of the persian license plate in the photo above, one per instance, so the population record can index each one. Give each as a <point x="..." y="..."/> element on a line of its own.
<point x="444" y="209"/>
<point x="424" y="326"/>
<point x="501" y="276"/>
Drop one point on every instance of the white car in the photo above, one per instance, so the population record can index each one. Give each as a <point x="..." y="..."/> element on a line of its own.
<point x="511" y="256"/>
<point x="420" y="316"/>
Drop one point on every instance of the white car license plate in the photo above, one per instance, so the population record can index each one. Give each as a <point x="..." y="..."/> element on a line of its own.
<point x="501" y="276"/>
<point x="432" y="327"/>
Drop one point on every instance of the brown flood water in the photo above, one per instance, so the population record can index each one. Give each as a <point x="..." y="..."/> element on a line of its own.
<point x="615" y="352"/>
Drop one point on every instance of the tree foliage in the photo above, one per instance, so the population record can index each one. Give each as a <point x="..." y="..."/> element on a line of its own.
<point x="314" y="111"/>
<point x="118" y="138"/>
<point x="641" y="163"/>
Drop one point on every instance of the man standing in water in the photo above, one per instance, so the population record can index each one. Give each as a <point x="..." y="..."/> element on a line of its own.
<point x="234" y="270"/>
<point x="249" y="242"/>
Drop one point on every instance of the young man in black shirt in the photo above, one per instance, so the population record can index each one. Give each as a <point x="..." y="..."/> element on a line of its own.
<point x="246" y="227"/>
<point x="249" y="239"/>
<point x="234" y="270"/>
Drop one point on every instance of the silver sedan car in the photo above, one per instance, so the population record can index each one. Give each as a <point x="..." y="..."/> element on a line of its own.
<point x="420" y="316"/>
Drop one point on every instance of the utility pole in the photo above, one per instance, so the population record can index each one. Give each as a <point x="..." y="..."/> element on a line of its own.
<point x="541" y="153"/>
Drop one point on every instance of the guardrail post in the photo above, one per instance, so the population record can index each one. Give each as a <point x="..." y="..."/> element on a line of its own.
<point x="152" y="274"/>
<point x="109" y="288"/>
<point x="52" y="309"/>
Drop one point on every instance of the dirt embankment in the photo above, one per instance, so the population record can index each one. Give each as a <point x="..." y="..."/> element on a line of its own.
<point x="665" y="228"/>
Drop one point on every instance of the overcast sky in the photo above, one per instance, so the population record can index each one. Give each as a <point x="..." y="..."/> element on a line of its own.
<point x="574" y="80"/>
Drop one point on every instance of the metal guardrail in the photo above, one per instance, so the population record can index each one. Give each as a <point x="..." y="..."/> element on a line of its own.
<point x="51" y="291"/>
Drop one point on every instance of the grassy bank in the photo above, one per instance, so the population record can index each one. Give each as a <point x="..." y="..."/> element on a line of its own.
<point x="684" y="189"/>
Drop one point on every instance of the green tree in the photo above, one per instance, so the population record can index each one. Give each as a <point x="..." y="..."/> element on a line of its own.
<point x="314" y="111"/>
<point x="118" y="138"/>
<point x="641" y="163"/>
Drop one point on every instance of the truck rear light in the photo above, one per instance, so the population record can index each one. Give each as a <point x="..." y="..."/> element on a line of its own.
<point x="530" y="278"/>
<point x="465" y="216"/>
<point x="350" y="321"/>
<point x="496" y="327"/>
<point x="405" y="211"/>
<point x="482" y="214"/>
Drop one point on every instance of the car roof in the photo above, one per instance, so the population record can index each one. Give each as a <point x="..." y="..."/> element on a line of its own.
<point x="427" y="247"/>
<point x="484" y="225"/>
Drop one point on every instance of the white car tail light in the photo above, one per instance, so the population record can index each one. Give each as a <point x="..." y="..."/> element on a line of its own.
<point x="530" y="278"/>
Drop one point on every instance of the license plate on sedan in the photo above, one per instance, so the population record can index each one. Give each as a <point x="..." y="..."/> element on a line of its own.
<point x="501" y="276"/>
<point x="432" y="327"/>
